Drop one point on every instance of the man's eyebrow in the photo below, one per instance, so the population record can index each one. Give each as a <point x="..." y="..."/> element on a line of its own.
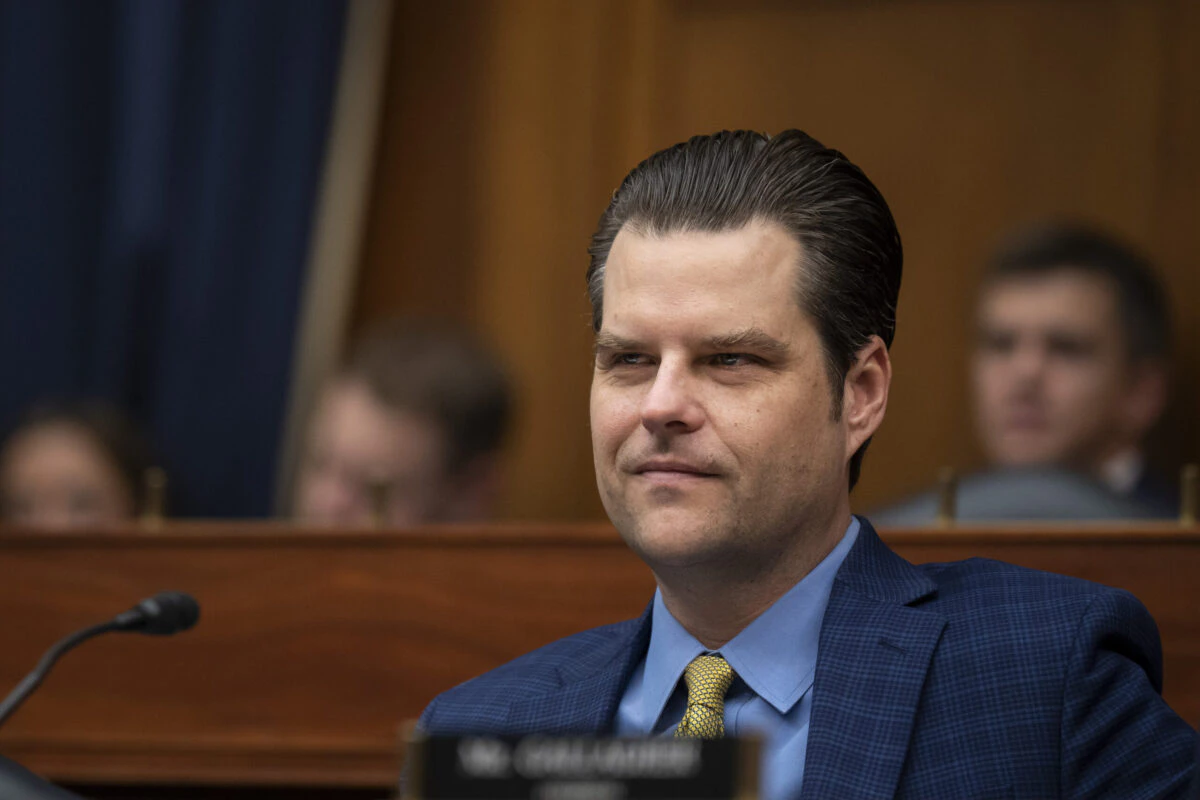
<point x="754" y="339"/>
<point x="610" y="341"/>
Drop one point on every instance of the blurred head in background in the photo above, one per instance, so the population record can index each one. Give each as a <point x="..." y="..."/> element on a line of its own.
<point x="73" y="465"/>
<point x="1071" y="361"/>
<point x="414" y="422"/>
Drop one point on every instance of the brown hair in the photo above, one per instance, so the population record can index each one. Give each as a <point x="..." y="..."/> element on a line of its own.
<point x="442" y="375"/>
<point x="115" y="435"/>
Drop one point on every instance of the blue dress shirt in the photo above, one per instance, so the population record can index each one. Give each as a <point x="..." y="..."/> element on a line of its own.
<point x="775" y="658"/>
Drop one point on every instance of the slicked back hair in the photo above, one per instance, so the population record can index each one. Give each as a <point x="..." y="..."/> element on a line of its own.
<point x="1058" y="247"/>
<point x="848" y="279"/>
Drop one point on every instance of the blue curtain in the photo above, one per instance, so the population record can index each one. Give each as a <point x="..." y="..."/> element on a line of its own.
<point x="159" y="162"/>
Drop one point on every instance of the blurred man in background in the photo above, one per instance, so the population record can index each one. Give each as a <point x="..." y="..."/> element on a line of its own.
<point x="1072" y="358"/>
<point x="73" y="465"/>
<point x="407" y="432"/>
<point x="1069" y="374"/>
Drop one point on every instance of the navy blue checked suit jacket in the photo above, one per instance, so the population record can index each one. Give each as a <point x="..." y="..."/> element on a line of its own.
<point x="974" y="679"/>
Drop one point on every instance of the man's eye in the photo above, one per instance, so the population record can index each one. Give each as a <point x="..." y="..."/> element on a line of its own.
<point x="625" y="360"/>
<point x="997" y="343"/>
<point x="731" y="359"/>
<point x="1070" y="349"/>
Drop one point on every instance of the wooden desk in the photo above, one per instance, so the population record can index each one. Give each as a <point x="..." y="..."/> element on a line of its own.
<point x="313" y="647"/>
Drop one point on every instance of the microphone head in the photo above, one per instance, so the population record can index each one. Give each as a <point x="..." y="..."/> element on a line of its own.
<point x="161" y="615"/>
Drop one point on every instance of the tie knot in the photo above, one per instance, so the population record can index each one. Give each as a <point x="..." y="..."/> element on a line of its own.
<point x="708" y="676"/>
<point x="708" y="679"/>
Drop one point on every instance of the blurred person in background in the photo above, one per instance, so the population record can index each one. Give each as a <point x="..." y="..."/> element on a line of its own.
<point x="73" y="465"/>
<point x="1070" y="373"/>
<point x="413" y="422"/>
<point x="1071" y="364"/>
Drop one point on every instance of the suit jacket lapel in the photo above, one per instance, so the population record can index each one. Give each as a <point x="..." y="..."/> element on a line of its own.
<point x="587" y="698"/>
<point x="873" y="655"/>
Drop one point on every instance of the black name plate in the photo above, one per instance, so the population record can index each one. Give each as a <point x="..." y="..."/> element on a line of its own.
<point x="581" y="768"/>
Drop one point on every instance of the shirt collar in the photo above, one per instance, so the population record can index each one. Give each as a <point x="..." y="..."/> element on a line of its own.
<point x="1123" y="471"/>
<point x="776" y="654"/>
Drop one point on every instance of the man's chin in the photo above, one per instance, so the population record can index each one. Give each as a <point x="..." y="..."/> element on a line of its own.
<point x="1030" y="446"/>
<point x="671" y="539"/>
<point x="1027" y="457"/>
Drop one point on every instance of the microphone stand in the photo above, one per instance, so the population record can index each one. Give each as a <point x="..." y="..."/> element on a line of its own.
<point x="34" y="679"/>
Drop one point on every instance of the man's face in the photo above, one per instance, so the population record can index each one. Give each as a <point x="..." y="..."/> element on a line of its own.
<point x="357" y="443"/>
<point x="712" y="428"/>
<point x="1051" y="373"/>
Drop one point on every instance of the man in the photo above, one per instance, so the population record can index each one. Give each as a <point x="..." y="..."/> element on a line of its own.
<point x="744" y="291"/>
<point x="1070" y="374"/>
<point x="412" y="423"/>
<point x="1071" y="362"/>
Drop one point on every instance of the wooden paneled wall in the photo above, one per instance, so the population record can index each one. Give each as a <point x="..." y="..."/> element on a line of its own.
<point x="508" y="124"/>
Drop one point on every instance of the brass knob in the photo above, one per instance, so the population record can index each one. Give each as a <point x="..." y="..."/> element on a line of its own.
<point x="154" y="480"/>
<point x="947" y="497"/>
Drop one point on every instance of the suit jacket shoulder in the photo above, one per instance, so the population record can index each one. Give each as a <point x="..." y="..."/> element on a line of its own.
<point x="1041" y="614"/>
<point x="599" y="659"/>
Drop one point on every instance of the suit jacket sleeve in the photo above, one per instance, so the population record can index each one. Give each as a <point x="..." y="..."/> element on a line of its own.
<point x="1119" y="737"/>
<point x="425" y="723"/>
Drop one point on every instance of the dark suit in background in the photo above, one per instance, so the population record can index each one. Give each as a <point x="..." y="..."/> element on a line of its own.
<point x="18" y="783"/>
<point x="1013" y="495"/>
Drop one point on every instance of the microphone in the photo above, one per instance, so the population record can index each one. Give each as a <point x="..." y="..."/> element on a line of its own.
<point x="161" y="615"/>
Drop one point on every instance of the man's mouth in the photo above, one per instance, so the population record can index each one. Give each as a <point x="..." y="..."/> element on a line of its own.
<point x="1025" y="421"/>
<point x="671" y="470"/>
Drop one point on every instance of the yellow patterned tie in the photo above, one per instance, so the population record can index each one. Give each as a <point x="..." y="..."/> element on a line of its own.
<point x="708" y="679"/>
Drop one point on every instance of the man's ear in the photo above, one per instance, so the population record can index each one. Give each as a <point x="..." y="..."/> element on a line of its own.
<point x="1146" y="396"/>
<point x="472" y="493"/>
<point x="865" y="393"/>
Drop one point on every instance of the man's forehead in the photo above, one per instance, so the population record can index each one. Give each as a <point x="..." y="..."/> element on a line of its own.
<point x="758" y="236"/>
<point x="1065" y="279"/>
<point x="759" y="257"/>
<point x="702" y="287"/>
<point x="1064" y="294"/>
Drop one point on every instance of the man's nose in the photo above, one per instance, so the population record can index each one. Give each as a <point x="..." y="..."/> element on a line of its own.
<point x="1029" y="362"/>
<point x="672" y="404"/>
